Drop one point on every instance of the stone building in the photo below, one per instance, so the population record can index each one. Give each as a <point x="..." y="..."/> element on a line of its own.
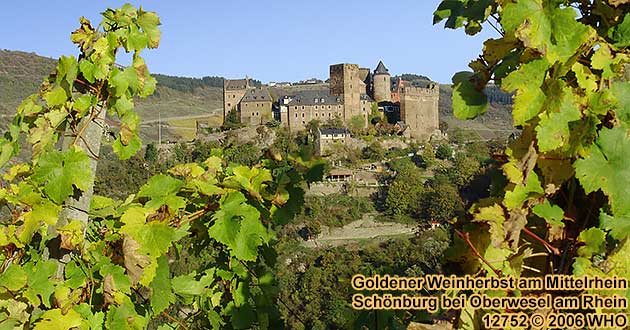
<point x="419" y="110"/>
<point x="255" y="106"/>
<point x="350" y="93"/>
<point x="328" y="137"/>
<point x="382" y="84"/>
<point x="233" y="92"/>
<point x="312" y="104"/>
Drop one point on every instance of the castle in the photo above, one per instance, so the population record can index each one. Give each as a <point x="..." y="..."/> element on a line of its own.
<point x="349" y="95"/>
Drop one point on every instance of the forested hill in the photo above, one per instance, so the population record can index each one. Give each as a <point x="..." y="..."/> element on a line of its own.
<point x="21" y="74"/>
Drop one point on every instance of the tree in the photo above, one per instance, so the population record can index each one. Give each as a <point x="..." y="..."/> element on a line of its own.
<point x="356" y="124"/>
<point x="151" y="154"/>
<point x="464" y="169"/>
<point x="334" y="122"/>
<point x="404" y="193"/>
<point x="376" y="117"/>
<point x="441" y="202"/>
<point x="373" y="152"/>
<point x="444" y="151"/>
<point x="232" y="119"/>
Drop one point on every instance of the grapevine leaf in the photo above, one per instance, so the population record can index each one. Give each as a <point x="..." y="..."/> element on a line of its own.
<point x="40" y="285"/>
<point x="56" y="319"/>
<point x="56" y="97"/>
<point x="84" y="102"/>
<point x="553" y="214"/>
<point x="87" y="69"/>
<point x="90" y="321"/>
<point x="75" y="277"/>
<point x="468" y="101"/>
<point x="162" y="296"/>
<point x="607" y="168"/>
<point x="149" y="22"/>
<point x="13" y="278"/>
<point x="546" y="28"/>
<point x="621" y="33"/>
<point x="617" y="226"/>
<point x="124" y="317"/>
<point x="553" y="129"/>
<point x="71" y="234"/>
<point x="494" y="216"/>
<point x="60" y="171"/>
<point x="250" y="179"/>
<point x="67" y="70"/>
<point x="237" y="225"/>
<point x="594" y="240"/>
<point x="602" y="59"/>
<point x="125" y="151"/>
<point x="621" y="90"/>
<point x="586" y="79"/>
<point x="515" y="198"/>
<point x="162" y="190"/>
<point x="526" y="81"/>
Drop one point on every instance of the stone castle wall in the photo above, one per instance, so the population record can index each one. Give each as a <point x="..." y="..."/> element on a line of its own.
<point x="419" y="110"/>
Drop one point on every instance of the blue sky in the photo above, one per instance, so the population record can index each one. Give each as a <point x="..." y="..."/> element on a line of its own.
<point x="279" y="40"/>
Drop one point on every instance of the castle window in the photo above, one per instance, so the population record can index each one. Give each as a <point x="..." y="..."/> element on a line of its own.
<point x="302" y="114"/>
<point x="302" y="107"/>
<point x="328" y="107"/>
<point x="296" y="108"/>
<point x="233" y="96"/>
<point x="315" y="100"/>
<point x="322" y="100"/>
<point x="296" y="115"/>
<point x="229" y="105"/>
<point x="315" y="107"/>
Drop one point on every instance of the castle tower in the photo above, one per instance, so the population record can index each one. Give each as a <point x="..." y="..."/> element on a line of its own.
<point x="233" y="92"/>
<point x="419" y="110"/>
<point x="345" y="83"/>
<point x="382" y="84"/>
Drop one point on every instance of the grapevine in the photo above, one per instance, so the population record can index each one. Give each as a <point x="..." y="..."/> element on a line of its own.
<point x="564" y="206"/>
<point x="73" y="260"/>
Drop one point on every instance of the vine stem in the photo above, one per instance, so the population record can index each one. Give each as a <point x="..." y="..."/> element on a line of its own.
<point x="172" y="319"/>
<point x="550" y="247"/>
<point x="466" y="237"/>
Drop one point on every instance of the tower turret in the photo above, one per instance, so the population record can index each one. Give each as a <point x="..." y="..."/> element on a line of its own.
<point x="382" y="83"/>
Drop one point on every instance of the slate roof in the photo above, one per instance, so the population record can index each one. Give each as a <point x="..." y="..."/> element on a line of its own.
<point x="315" y="97"/>
<point x="381" y="69"/>
<point x="232" y="84"/>
<point x="333" y="131"/>
<point x="258" y="94"/>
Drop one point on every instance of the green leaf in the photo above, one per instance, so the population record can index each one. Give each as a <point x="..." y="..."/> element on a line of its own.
<point x="13" y="278"/>
<point x="553" y="128"/>
<point x="40" y="286"/>
<point x="617" y="226"/>
<point x="149" y="22"/>
<point x="607" y="168"/>
<point x="594" y="240"/>
<point x="237" y="225"/>
<point x="162" y="295"/>
<point x="121" y="81"/>
<point x="621" y="33"/>
<point x="87" y="69"/>
<point x="90" y="321"/>
<point x="162" y="190"/>
<point x="527" y="82"/>
<point x="56" y="97"/>
<point x="60" y="171"/>
<point x="124" y="317"/>
<point x="621" y="90"/>
<point x="55" y="319"/>
<point x="67" y="70"/>
<point x="126" y="151"/>
<point x="545" y="27"/>
<point x="521" y="193"/>
<point x="84" y="102"/>
<point x="494" y="216"/>
<point x="468" y="101"/>
<point x="553" y="214"/>
<point x="136" y="40"/>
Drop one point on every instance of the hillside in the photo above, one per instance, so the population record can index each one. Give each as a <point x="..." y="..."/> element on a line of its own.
<point x="182" y="101"/>
<point x="21" y="74"/>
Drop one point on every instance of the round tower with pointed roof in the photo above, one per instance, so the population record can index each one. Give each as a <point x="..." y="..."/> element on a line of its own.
<point x="382" y="84"/>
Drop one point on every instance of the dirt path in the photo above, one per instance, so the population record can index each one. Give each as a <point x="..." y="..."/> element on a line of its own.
<point x="165" y="119"/>
<point x="365" y="228"/>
